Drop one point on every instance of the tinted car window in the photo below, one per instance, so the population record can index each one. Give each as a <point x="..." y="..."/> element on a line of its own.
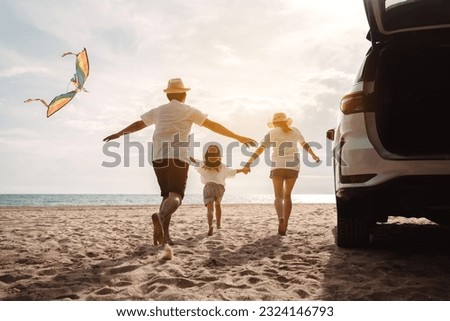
<point x="398" y="14"/>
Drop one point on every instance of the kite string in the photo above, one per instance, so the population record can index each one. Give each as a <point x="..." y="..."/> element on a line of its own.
<point x="63" y="55"/>
<point x="67" y="89"/>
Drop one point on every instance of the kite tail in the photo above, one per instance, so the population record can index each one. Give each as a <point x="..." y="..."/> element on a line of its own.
<point x="68" y="53"/>
<point x="36" y="99"/>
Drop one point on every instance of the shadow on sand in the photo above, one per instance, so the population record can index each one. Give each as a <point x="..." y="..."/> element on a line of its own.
<point x="404" y="262"/>
<point x="78" y="278"/>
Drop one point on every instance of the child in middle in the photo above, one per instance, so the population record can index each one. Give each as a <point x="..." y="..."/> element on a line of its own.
<point x="213" y="174"/>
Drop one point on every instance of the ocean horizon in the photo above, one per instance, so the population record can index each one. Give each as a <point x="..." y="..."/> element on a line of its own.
<point x="145" y="199"/>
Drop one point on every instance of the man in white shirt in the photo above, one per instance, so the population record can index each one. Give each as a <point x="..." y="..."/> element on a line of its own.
<point x="173" y="122"/>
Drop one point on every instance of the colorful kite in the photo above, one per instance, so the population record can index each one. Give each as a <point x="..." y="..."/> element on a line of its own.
<point x="80" y="76"/>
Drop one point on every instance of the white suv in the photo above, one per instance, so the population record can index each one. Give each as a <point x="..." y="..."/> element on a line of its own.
<point x="392" y="143"/>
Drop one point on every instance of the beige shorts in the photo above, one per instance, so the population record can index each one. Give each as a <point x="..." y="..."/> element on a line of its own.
<point x="284" y="173"/>
<point x="213" y="192"/>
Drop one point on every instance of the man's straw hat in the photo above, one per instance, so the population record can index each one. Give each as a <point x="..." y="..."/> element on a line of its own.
<point x="175" y="86"/>
<point x="279" y="118"/>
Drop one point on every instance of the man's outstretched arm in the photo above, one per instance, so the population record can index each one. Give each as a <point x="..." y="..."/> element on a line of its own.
<point x="219" y="129"/>
<point x="134" y="127"/>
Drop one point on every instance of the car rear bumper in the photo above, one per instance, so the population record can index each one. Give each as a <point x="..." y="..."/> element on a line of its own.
<point x="409" y="196"/>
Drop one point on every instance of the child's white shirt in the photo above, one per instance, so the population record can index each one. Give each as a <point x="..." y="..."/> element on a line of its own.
<point x="214" y="176"/>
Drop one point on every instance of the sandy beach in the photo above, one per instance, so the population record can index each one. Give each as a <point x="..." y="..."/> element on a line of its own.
<point x="106" y="253"/>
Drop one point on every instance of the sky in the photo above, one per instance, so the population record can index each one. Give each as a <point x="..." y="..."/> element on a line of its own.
<point x="243" y="60"/>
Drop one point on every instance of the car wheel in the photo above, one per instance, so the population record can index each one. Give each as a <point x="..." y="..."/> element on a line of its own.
<point x="352" y="224"/>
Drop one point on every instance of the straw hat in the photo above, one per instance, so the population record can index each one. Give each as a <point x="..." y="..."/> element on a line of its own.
<point x="279" y="118"/>
<point x="175" y="86"/>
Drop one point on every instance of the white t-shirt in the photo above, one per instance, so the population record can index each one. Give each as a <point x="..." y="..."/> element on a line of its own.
<point x="173" y="122"/>
<point x="213" y="176"/>
<point x="285" y="152"/>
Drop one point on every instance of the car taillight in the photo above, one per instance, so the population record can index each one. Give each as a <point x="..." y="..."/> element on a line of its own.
<point x="352" y="103"/>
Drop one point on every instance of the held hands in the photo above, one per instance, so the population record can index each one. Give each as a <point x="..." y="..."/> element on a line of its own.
<point x="245" y="170"/>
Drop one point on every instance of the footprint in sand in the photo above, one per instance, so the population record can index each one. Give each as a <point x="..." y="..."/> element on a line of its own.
<point x="29" y="261"/>
<point x="124" y="269"/>
<point x="254" y="280"/>
<point x="123" y="283"/>
<point x="247" y="272"/>
<point x="47" y="272"/>
<point x="91" y="254"/>
<point x="64" y="241"/>
<point x="105" y="291"/>
<point x="270" y="272"/>
<point x="8" y="278"/>
<point x="282" y="279"/>
<point x="302" y="294"/>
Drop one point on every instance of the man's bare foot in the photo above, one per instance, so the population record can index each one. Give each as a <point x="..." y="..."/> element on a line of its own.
<point x="218" y="225"/>
<point x="210" y="231"/>
<point x="158" y="234"/>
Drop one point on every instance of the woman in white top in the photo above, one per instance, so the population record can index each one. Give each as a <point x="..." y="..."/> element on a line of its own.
<point x="285" y="163"/>
<point x="213" y="174"/>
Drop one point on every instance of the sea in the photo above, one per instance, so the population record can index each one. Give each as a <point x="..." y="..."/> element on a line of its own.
<point x="144" y="199"/>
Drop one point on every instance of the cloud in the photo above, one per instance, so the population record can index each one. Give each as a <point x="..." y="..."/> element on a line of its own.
<point x="229" y="56"/>
<point x="14" y="63"/>
<point x="21" y="70"/>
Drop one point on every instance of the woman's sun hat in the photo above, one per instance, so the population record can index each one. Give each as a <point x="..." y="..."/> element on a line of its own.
<point x="279" y="118"/>
<point x="175" y="86"/>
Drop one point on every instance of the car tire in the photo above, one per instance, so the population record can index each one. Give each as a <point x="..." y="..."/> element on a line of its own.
<point x="352" y="224"/>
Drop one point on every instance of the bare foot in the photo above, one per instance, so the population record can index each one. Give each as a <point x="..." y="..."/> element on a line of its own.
<point x="210" y="231"/>
<point x="158" y="235"/>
